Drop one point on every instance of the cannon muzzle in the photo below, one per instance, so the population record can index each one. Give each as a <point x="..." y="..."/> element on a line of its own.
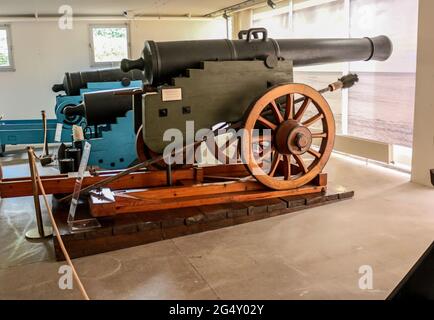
<point x="164" y="60"/>
<point x="102" y="107"/>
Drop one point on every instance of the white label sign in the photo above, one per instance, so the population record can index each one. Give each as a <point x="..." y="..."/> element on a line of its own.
<point x="171" y="94"/>
<point x="79" y="181"/>
<point x="58" y="135"/>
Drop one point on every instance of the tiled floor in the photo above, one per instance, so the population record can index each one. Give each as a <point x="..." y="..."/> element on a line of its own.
<point x="315" y="254"/>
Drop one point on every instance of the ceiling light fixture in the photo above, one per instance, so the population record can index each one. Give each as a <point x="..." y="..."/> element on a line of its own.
<point x="271" y="4"/>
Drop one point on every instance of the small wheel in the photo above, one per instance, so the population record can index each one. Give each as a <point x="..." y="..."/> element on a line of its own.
<point x="144" y="153"/>
<point x="278" y="136"/>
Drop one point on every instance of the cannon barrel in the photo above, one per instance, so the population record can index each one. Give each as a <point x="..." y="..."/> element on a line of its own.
<point x="163" y="60"/>
<point x="102" y="107"/>
<point x="74" y="81"/>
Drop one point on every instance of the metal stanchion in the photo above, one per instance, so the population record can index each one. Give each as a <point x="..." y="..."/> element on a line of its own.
<point x="41" y="231"/>
<point x="44" y="124"/>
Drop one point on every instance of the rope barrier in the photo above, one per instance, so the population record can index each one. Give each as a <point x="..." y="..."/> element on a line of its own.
<point x="59" y="238"/>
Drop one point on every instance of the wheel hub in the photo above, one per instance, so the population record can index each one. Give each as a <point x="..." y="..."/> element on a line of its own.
<point x="293" y="138"/>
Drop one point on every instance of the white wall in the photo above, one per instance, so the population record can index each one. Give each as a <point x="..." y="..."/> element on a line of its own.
<point x="43" y="53"/>
<point x="174" y="30"/>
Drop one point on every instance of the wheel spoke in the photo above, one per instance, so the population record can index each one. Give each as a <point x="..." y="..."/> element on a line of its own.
<point x="276" y="112"/>
<point x="300" y="163"/>
<point x="289" y="111"/>
<point x="303" y="109"/>
<point x="275" y="163"/>
<point x="267" y="123"/>
<point x="316" y="154"/>
<point x="287" y="166"/>
<point x="319" y="135"/>
<point x="313" y="120"/>
<point x="261" y="138"/>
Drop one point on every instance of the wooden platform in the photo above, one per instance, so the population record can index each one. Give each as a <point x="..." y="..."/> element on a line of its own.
<point x="128" y="230"/>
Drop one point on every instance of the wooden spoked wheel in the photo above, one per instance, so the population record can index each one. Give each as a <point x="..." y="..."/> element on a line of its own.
<point x="280" y="137"/>
<point x="144" y="153"/>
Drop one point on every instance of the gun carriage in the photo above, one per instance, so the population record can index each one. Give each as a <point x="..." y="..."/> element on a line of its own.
<point x="248" y="82"/>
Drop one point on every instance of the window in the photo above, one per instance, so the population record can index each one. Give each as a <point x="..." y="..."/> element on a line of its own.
<point x="381" y="106"/>
<point x="299" y="20"/>
<point x="109" y="44"/>
<point x="6" y="61"/>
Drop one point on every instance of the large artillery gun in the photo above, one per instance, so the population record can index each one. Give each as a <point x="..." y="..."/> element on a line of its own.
<point x="248" y="81"/>
<point x="248" y="84"/>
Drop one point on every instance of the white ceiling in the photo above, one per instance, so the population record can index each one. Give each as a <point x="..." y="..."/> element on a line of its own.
<point x="115" y="7"/>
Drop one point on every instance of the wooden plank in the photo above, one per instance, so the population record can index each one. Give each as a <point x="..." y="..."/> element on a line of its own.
<point x="276" y="204"/>
<point x="257" y="207"/>
<point x="186" y="183"/>
<point x="23" y="188"/>
<point x="125" y="205"/>
<point x="320" y="180"/>
<point x="198" y="175"/>
<point x="164" y="193"/>
<point x="62" y="184"/>
<point x="230" y="170"/>
<point x="214" y="212"/>
<point x="237" y="210"/>
<point x="64" y="176"/>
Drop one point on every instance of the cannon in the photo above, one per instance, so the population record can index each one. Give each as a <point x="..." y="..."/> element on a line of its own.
<point x="107" y="119"/>
<point x="75" y="85"/>
<point x="73" y="82"/>
<point x="101" y="107"/>
<point x="165" y="60"/>
<point x="108" y="135"/>
<point x="247" y="82"/>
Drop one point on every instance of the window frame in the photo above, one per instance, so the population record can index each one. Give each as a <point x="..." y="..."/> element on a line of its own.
<point x="95" y="64"/>
<point x="400" y="155"/>
<point x="11" y="66"/>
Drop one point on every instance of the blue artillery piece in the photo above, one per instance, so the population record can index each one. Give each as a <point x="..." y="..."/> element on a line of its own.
<point x="14" y="132"/>
<point x="105" y="138"/>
